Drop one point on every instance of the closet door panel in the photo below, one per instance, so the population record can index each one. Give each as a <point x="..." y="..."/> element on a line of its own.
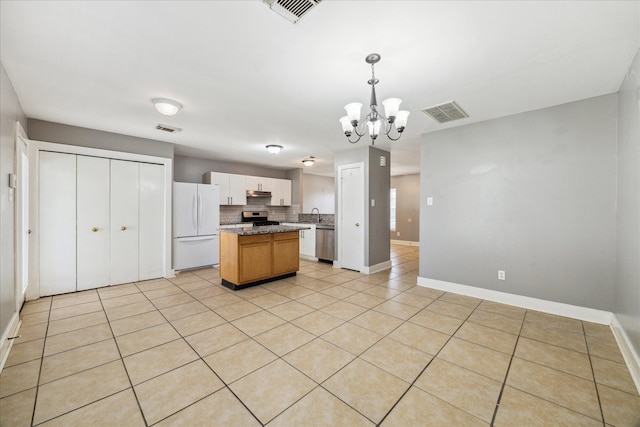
<point x="93" y="222"/>
<point x="57" y="223"/>
<point x="124" y="221"/>
<point x="152" y="233"/>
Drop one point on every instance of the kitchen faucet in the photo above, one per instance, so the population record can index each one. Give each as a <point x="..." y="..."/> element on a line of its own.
<point x="316" y="209"/>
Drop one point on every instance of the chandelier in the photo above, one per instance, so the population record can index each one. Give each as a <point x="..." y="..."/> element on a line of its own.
<point x="374" y="120"/>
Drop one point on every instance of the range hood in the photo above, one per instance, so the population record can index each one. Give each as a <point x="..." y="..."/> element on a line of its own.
<point x="257" y="193"/>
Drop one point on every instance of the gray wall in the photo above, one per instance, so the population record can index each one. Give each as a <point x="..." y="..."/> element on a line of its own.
<point x="533" y="194"/>
<point x="10" y="112"/>
<point x="297" y="180"/>
<point x="627" y="295"/>
<point x="191" y="169"/>
<point x="318" y="192"/>
<point x="407" y="207"/>
<point x="379" y="178"/>
<point x="41" y="130"/>
<point x="376" y="186"/>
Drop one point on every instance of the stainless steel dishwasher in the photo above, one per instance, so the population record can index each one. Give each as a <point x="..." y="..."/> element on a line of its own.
<point x="325" y="242"/>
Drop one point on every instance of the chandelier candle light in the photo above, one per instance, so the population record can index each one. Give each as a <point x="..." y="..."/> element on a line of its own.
<point x="374" y="119"/>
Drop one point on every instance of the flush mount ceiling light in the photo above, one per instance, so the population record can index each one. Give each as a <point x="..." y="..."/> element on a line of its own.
<point x="374" y="119"/>
<point x="309" y="161"/>
<point x="274" y="149"/>
<point x="165" y="106"/>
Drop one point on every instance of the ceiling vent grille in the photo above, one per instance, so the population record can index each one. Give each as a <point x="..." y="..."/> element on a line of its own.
<point x="169" y="129"/>
<point x="446" y="112"/>
<point x="291" y="10"/>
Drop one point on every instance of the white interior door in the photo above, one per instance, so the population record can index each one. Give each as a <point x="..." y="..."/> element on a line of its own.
<point x="124" y="221"/>
<point x="22" y="221"/>
<point x="152" y="237"/>
<point x="351" y="233"/>
<point x="93" y="222"/>
<point x="57" y="223"/>
<point x="208" y="211"/>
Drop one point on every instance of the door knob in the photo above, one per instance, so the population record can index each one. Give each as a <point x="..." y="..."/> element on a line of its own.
<point x="94" y="229"/>
<point x="124" y="227"/>
<point x="357" y="224"/>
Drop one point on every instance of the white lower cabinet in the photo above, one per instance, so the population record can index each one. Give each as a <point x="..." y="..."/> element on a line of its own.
<point x="101" y="222"/>
<point x="307" y="240"/>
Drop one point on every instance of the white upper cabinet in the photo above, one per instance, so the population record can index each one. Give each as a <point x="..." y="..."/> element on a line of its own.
<point x="259" y="183"/>
<point x="233" y="188"/>
<point x="281" y="192"/>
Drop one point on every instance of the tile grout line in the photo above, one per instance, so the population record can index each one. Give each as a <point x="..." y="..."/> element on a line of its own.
<point x="506" y="375"/>
<point x="201" y="358"/>
<point x="593" y="373"/>
<point x="431" y="361"/>
<point x="124" y="366"/>
<point x="35" y="400"/>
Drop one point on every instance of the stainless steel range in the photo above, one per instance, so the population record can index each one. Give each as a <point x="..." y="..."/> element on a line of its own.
<point x="258" y="218"/>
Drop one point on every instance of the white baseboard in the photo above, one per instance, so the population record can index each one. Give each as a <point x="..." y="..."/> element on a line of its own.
<point x="629" y="354"/>
<point x="377" y="267"/>
<point x="405" y="243"/>
<point x="561" y="309"/>
<point x="6" y="343"/>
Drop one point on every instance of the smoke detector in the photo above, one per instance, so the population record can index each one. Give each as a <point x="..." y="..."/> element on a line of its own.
<point x="291" y="10"/>
<point x="446" y="112"/>
<point x="169" y="129"/>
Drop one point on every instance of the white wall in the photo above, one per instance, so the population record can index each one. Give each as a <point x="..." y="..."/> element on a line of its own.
<point x="627" y="292"/>
<point x="318" y="192"/>
<point x="10" y="112"/>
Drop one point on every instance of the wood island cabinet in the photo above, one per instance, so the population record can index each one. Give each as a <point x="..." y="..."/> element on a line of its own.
<point x="247" y="260"/>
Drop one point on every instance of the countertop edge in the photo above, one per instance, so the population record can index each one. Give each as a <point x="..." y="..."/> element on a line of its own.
<point x="263" y="229"/>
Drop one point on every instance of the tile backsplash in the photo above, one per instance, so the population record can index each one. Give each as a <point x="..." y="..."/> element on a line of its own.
<point x="233" y="214"/>
<point x="313" y="218"/>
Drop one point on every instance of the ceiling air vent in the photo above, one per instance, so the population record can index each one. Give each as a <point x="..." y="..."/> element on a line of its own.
<point x="446" y="112"/>
<point x="291" y="10"/>
<point x="169" y="129"/>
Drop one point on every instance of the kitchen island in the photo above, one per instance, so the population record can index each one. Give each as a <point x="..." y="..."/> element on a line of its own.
<point x="255" y="255"/>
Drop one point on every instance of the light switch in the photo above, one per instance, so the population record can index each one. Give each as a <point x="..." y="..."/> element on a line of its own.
<point x="429" y="201"/>
<point x="373" y="202"/>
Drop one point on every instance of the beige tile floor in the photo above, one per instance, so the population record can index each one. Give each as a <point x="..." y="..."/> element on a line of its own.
<point x="328" y="347"/>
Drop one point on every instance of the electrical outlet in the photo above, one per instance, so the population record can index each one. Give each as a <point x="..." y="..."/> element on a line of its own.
<point x="397" y="234"/>
<point x="501" y="275"/>
<point x="429" y="201"/>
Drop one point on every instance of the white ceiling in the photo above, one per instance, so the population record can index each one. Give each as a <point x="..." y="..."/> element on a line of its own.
<point x="247" y="77"/>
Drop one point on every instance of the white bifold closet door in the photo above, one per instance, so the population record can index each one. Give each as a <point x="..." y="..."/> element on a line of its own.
<point x="57" y="223"/>
<point x="101" y="222"/>
<point x="93" y="182"/>
<point x="124" y="221"/>
<point x="152" y="220"/>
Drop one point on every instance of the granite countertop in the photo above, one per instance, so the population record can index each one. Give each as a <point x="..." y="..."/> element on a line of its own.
<point x="263" y="229"/>
<point x="309" y="222"/>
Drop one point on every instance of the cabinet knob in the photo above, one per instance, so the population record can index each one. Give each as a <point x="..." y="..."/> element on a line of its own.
<point x="124" y="227"/>
<point x="94" y="229"/>
<point x="357" y="224"/>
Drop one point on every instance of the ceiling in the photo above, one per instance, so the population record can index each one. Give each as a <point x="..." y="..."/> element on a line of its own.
<point x="247" y="77"/>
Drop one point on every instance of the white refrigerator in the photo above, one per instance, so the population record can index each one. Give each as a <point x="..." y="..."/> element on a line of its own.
<point x="196" y="221"/>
